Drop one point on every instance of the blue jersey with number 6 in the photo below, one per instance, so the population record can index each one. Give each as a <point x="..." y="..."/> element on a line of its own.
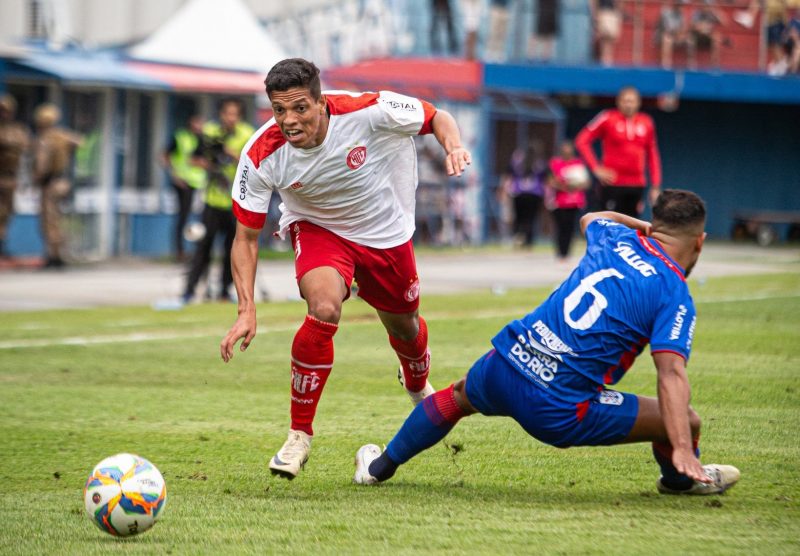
<point x="625" y="293"/>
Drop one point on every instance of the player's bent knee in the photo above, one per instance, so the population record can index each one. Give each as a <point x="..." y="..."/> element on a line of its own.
<point x="403" y="326"/>
<point x="460" y="394"/>
<point x="325" y="310"/>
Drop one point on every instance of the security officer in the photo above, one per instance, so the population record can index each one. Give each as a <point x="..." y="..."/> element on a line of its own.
<point x="184" y="176"/>
<point x="218" y="153"/>
<point x="54" y="149"/>
<point x="14" y="141"/>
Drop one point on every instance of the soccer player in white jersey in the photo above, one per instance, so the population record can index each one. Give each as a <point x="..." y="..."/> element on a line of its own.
<point x="346" y="170"/>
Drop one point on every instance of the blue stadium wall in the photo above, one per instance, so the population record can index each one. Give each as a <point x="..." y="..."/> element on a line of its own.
<point x="735" y="138"/>
<point x="150" y="235"/>
<point x="737" y="156"/>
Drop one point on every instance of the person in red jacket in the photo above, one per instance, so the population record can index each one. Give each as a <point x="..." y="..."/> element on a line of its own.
<point x="627" y="137"/>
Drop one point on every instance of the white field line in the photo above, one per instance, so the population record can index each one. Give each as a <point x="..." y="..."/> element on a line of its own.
<point x="760" y="297"/>
<point x="161" y="336"/>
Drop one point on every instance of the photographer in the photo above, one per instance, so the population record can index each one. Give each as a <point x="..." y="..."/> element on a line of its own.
<point x="218" y="154"/>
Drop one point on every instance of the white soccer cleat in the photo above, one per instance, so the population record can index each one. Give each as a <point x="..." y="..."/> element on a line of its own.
<point x="416" y="397"/>
<point x="365" y="455"/>
<point x="292" y="456"/>
<point x="724" y="477"/>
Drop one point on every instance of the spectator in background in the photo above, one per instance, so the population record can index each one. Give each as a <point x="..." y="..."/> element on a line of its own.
<point x="628" y="139"/>
<point x="672" y="31"/>
<point x="472" y="21"/>
<point x="218" y="153"/>
<point x="607" y="21"/>
<point x="793" y="41"/>
<point x="705" y="33"/>
<point x="442" y="17"/>
<point x="86" y="170"/>
<point x="524" y="184"/>
<point x="431" y="195"/>
<point x="777" y="19"/>
<point x="54" y="151"/>
<point x="542" y="41"/>
<point x="498" y="29"/>
<point x="568" y="181"/>
<point x="783" y="32"/>
<point x="747" y="18"/>
<point x="184" y="176"/>
<point x="14" y="141"/>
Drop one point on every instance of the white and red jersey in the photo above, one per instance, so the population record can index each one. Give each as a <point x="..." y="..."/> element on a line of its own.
<point x="359" y="183"/>
<point x="626" y="142"/>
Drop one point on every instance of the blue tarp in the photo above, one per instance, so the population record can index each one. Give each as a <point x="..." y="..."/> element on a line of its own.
<point x="79" y="67"/>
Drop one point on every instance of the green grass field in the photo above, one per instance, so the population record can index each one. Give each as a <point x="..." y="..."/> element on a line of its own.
<point x="77" y="386"/>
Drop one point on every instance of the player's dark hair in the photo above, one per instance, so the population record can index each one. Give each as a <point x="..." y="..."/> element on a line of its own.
<point x="294" y="72"/>
<point x="678" y="209"/>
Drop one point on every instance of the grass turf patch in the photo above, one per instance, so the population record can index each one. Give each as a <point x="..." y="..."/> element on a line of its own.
<point x="77" y="386"/>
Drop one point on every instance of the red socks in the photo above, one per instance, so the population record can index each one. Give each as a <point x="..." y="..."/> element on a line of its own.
<point x="415" y="359"/>
<point x="312" y="359"/>
<point x="442" y="407"/>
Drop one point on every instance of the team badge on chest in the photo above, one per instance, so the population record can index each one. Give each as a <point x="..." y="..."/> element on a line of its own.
<point x="356" y="157"/>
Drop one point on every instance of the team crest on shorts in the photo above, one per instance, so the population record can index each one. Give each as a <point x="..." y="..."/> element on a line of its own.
<point x="412" y="292"/>
<point x="356" y="157"/>
<point x="611" y="397"/>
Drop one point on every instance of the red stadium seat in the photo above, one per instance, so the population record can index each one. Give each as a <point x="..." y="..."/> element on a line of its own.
<point x="638" y="46"/>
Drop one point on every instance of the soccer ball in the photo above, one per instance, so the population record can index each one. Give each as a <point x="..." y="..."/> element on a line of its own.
<point x="576" y="176"/>
<point x="124" y="495"/>
<point x="194" y="231"/>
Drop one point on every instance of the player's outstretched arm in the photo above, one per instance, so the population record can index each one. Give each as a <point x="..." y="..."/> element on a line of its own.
<point x="244" y="259"/>
<point x="673" y="401"/>
<point x="624" y="219"/>
<point x="446" y="132"/>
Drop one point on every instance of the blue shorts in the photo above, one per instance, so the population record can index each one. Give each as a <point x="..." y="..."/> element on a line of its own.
<point x="494" y="387"/>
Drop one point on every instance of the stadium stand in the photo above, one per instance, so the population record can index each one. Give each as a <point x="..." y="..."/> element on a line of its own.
<point x="741" y="50"/>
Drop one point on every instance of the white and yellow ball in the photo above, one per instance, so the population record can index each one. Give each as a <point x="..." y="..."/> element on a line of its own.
<point x="124" y="495"/>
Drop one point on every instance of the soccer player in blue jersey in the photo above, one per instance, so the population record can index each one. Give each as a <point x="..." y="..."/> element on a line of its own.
<point x="550" y="370"/>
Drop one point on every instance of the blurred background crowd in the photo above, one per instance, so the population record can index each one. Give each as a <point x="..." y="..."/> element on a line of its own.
<point x="129" y="82"/>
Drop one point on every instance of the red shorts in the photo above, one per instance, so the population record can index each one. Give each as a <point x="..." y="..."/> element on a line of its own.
<point x="387" y="278"/>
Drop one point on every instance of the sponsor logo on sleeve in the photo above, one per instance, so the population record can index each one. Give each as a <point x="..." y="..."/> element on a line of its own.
<point x="356" y="157"/>
<point x="677" y="324"/>
<point x="399" y="104"/>
<point x="243" y="184"/>
<point x="691" y="333"/>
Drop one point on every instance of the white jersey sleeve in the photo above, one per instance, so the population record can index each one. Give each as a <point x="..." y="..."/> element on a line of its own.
<point x="251" y="191"/>
<point x="401" y="114"/>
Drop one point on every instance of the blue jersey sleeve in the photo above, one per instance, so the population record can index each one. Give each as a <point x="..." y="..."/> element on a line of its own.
<point x="598" y="229"/>
<point x="673" y="329"/>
